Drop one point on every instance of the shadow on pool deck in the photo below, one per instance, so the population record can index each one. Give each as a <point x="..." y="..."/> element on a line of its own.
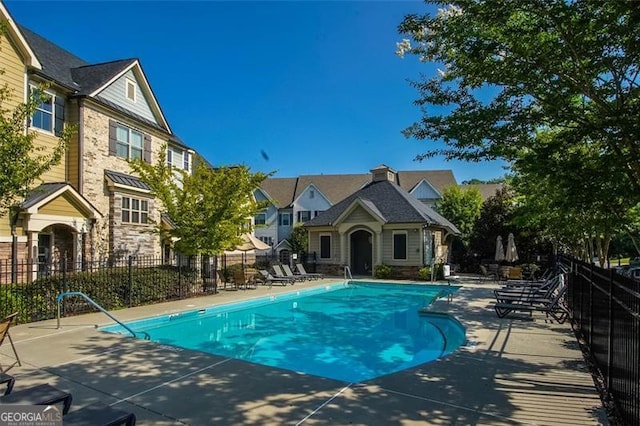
<point x="512" y="371"/>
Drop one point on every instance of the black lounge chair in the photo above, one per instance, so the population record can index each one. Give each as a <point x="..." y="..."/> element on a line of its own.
<point x="9" y="380"/>
<point x="270" y="279"/>
<point x="39" y="395"/>
<point x="99" y="414"/>
<point x="528" y="293"/>
<point x="303" y="272"/>
<point x="5" y="324"/>
<point x="552" y="307"/>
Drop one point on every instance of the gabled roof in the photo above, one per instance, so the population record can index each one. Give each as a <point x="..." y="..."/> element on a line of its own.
<point x="56" y="62"/>
<point x="487" y="190"/>
<point x="21" y="43"/>
<point x="439" y="179"/>
<point x="393" y="203"/>
<point x="46" y="192"/>
<point x="126" y="180"/>
<point x="334" y="187"/>
<point x="280" y="191"/>
<point x="92" y="77"/>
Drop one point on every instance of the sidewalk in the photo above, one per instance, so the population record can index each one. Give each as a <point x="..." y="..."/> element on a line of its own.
<point x="511" y="371"/>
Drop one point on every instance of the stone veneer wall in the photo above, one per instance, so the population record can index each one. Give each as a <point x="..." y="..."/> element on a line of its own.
<point x="108" y="233"/>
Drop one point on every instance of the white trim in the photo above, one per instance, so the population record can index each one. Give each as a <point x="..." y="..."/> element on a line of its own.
<point x="358" y="202"/>
<point x="112" y="185"/>
<point x="429" y="184"/>
<point x="31" y="86"/>
<point x="21" y="239"/>
<point x="155" y="106"/>
<point x="130" y="83"/>
<point x="406" y="244"/>
<point x="37" y="222"/>
<point x="325" y="234"/>
<point x="32" y="59"/>
<point x="34" y="209"/>
<point x="318" y="192"/>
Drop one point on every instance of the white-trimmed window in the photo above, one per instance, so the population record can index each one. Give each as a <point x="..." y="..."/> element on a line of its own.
<point x="178" y="158"/>
<point x="285" y="219"/>
<point x="129" y="142"/>
<point x="304" y="216"/>
<point x="260" y="219"/>
<point x="49" y="113"/>
<point x="312" y="193"/>
<point x="400" y="248"/>
<point x="134" y="210"/>
<point x="130" y="90"/>
<point x="325" y="246"/>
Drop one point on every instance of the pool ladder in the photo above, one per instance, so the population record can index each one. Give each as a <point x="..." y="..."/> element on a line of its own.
<point x="100" y="308"/>
<point x="347" y="274"/>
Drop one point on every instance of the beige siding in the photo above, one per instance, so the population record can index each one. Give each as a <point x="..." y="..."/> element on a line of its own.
<point x="414" y="256"/>
<point x="314" y="245"/>
<point x="62" y="206"/>
<point x="359" y="215"/>
<point x="45" y="143"/>
<point x="14" y="72"/>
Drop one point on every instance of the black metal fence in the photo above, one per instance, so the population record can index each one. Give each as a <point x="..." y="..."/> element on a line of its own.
<point x="606" y="312"/>
<point x="30" y="288"/>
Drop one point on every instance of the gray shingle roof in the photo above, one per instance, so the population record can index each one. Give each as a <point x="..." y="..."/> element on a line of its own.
<point x="92" y="77"/>
<point x="128" y="180"/>
<point x="40" y="193"/>
<point x="56" y="62"/>
<point x="394" y="204"/>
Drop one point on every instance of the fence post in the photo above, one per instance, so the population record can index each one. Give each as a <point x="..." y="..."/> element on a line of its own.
<point x="130" y="265"/>
<point x="610" y="342"/>
<point x="591" y="304"/>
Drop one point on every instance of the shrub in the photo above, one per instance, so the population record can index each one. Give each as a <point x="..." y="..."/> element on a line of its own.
<point x="382" y="271"/>
<point x="424" y="273"/>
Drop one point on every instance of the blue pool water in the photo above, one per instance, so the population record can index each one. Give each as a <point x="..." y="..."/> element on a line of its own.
<point x="352" y="332"/>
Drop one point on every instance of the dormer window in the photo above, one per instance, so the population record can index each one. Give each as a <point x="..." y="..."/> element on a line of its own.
<point x="131" y="90"/>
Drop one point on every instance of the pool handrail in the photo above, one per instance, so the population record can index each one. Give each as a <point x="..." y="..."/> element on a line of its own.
<point x="62" y="295"/>
<point x="347" y="274"/>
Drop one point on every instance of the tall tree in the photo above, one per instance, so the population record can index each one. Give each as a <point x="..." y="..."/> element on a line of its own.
<point x="462" y="208"/>
<point x="210" y="208"/>
<point x="511" y="67"/>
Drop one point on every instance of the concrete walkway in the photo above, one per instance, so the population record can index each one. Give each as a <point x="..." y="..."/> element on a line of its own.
<point x="511" y="371"/>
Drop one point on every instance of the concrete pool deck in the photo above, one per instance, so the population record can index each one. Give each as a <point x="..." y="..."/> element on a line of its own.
<point x="511" y="371"/>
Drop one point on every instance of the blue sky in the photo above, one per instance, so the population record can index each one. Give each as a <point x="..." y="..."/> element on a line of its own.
<point x="316" y="86"/>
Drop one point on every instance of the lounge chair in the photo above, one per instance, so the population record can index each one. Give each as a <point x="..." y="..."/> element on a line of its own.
<point x="39" y="395"/>
<point x="551" y="307"/>
<point x="302" y="271"/>
<point x="5" y="324"/>
<point x="528" y="292"/>
<point x="9" y="380"/>
<point x="289" y="273"/>
<point x="99" y="414"/>
<point x="486" y="274"/>
<point x="270" y="279"/>
<point x="279" y="273"/>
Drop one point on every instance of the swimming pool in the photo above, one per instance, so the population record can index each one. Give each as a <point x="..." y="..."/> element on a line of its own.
<point x="350" y="332"/>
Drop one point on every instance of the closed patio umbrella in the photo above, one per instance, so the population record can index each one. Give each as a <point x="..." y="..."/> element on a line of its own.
<point x="512" y="253"/>
<point x="499" y="250"/>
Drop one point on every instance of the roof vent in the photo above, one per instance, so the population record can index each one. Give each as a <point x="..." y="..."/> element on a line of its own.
<point x="383" y="173"/>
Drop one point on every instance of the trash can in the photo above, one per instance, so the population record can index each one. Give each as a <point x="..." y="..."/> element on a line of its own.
<point x="447" y="270"/>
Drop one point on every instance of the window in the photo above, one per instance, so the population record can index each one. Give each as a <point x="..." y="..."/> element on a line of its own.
<point x="49" y="113"/>
<point x="312" y="193"/>
<point x="134" y="210"/>
<point x="284" y="219"/>
<point x="128" y="142"/>
<point x="325" y="246"/>
<point x="178" y="158"/>
<point x="317" y="212"/>
<point x="400" y="245"/>
<point x="169" y="157"/>
<point x="186" y="161"/>
<point x="131" y="90"/>
<point x="267" y="240"/>
<point x="260" y="219"/>
<point x="304" y="216"/>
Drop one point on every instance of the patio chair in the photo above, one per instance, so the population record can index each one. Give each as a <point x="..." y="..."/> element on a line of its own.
<point x="289" y="273"/>
<point x="279" y="273"/>
<point x="240" y="279"/>
<point x="270" y="279"/>
<point x="302" y="271"/>
<point x="39" y="395"/>
<point x="486" y="274"/>
<point x="552" y="307"/>
<point x="5" y="324"/>
<point x="99" y="414"/>
<point x="529" y="293"/>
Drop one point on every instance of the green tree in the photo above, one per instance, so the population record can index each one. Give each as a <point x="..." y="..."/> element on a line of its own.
<point x="462" y="208"/>
<point x="299" y="239"/>
<point x="512" y="67"/>
<point x="210" y="207"/>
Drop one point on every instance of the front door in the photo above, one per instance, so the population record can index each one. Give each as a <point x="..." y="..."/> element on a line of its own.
<point x="361" y="253"/>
